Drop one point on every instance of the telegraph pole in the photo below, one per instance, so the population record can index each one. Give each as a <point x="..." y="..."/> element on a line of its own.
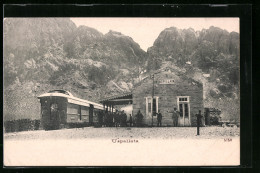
<point x="152" y="98"/>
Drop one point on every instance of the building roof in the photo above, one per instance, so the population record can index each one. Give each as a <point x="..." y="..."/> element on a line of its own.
<point x="179" y="72"/>
<point x="122" y="99"/>
<point x="71" y="98"/>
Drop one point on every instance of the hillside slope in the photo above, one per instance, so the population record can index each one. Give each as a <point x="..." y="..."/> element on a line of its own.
<point x="210" y="56"/>
<point x="41" y="54"/>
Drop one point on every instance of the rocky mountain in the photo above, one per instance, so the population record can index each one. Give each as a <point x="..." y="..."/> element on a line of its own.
<point x="32" y="43"/>
<point x="210" y="56"/>
<point x="41" y="54"/>
<point x="113" y="48"/>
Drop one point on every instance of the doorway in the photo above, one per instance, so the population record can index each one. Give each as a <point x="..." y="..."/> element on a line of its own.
<point x="54" y="116"/>
<point x="184" y="109"/>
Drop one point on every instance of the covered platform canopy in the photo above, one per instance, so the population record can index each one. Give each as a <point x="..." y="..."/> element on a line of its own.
<point x="122" y="99"/>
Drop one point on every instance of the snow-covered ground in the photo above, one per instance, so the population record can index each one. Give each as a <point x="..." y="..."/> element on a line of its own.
<point x="123" y="146"/>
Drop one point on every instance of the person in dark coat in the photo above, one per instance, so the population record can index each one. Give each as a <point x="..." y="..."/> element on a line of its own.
<point x="175" y="116"/>
<point x="113" y="119"/>
<point x="110" y="119"/>
<point x="131" y="120"/>
<point x="103" y="117"/>
<point x="159" y="119"/>
<point x="199" y="117"/>
<point x="106" y="119"/>
<point x="117" y="119"/>
<point x="124" y="119"/>
<point x="139" y="119"/>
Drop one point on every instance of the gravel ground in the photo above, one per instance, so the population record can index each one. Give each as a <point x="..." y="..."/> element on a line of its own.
<point x="140" y="133"/>
<point x="166" y="146"/>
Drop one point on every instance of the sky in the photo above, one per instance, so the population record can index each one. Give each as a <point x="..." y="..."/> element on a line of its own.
<point x="144" y="31"/>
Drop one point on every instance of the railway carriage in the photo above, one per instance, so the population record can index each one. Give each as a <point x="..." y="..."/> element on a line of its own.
<point x="59" y="108"/>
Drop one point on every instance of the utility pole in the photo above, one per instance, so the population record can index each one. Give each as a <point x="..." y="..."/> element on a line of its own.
<point x="152" y="99"/>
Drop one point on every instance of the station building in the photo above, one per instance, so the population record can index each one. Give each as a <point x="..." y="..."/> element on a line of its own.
<point x="164" y="90"/>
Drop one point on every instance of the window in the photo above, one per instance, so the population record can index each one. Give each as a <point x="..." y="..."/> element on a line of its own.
<point x="72" y="109"/>
<point x="85" y="113"/>
<point x="183" y="99"/>
<point x="151" y="105"/>
<point x="54" y="107"/>
<point x="54" y="111"/>
<point x="154" y="105"/>
<point x="184" y="106"/>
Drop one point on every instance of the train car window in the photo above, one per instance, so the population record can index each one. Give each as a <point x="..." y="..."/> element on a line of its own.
<point x="72" y="109"/>
<point x="54" y="107"/>
<point x="84" y="111"/>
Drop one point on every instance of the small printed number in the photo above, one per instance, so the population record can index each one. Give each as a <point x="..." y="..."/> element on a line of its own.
<point x="227" y="140"/>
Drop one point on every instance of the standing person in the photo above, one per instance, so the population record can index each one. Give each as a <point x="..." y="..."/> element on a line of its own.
<point x="106" y="119"/>
<point x="139" y="119"/>
<point x="113" y="119"/>
<point x="159" y="119"/>
<point x="110" y="119"/>
<point x="124" y="118"/>
<point x="175" y="116"/>
<point x="199" y="116"/>
<point x="102" y="118"/>
<point x="131" y="120"/>
<point x="116" y="119"/>
<point x="119" y="119"/>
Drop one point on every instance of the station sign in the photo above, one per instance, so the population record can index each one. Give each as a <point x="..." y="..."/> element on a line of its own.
<point x="166" y="81"/>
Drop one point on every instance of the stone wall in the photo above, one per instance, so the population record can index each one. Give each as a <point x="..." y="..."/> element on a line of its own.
<point x="167" y="100"/>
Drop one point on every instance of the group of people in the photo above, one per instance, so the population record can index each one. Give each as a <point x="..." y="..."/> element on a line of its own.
<point x="175" y="116"/>
<point x="118" y="119"/>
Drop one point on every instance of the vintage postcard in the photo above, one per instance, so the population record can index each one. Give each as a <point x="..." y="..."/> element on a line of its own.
<point x="121" y="91"/>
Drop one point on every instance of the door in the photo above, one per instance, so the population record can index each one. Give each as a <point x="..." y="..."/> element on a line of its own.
<point x="54" y="115"/>
<point x="184" y="109"/>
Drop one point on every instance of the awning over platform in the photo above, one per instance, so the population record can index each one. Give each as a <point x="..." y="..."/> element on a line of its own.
<point x="122" y="99"/>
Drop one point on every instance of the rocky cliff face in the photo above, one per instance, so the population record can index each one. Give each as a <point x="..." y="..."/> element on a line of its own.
<point x="42" y="54"/>
<point x="210" y="56"/>
<point x="112" y="48"/>
<point x="200" y="47"/>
